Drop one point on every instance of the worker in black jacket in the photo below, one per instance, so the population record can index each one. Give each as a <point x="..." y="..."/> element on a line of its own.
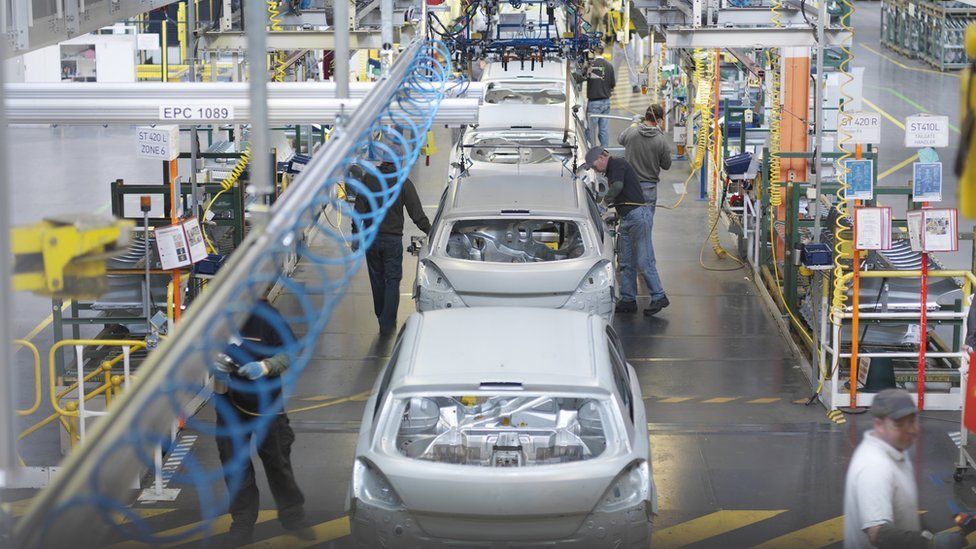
<point x="384" y="258"/>
<point x="600" y="82"/>
<point x="249" y="390"/>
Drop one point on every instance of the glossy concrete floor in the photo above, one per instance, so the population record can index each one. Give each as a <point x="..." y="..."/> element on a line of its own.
<point x="737" y="461"/>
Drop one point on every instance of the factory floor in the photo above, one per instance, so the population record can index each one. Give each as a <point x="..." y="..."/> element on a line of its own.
<point x="738" y="459"/>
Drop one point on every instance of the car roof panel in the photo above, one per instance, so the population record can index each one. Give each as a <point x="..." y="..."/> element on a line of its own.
<point x="533" y="346"/>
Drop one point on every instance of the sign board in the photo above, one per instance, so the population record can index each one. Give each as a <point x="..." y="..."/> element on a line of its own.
<point x="861" y="127"/>
<point x="147" y="41"/>
<point x="860" y="179"/>
<point x="927" y="182"/>
<point x="159" y="143"/>
<point x="926" y="131"/>
<point x="189" y="113"/>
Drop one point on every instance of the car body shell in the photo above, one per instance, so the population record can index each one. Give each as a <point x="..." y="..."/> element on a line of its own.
<point x="586" y="282"/>
<point x="557" y="505"/>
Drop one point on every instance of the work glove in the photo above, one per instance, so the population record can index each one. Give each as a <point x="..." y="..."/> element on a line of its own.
<point x="253" y="370"/>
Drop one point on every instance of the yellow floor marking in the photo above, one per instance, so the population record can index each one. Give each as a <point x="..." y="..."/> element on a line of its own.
<point x="318" y="398"/>
<point x="44" y="323"/>
<point x="719" y="400"/>
<point x="906" y="67"/>
<point x="769" y="400"/>
<point x="220" y="525"/>
<point x="898" y="166"/>
<point x="145" y="513"/>
<point x="884" y="113"/>
<point x="18" y="508"/>
<point x="674" y="400"/>
<point x="818" y="535"/>
<point x="324" y="532"/>
<point x="709" y="526"/>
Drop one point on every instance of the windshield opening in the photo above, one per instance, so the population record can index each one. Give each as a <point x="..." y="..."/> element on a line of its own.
<point x="502" y="430"/>
<point x="504" y="93"/>
<point x="515" y="240"/>
<point x="518" y="148"/>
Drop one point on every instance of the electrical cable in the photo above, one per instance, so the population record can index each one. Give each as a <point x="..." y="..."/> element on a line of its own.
<point x="226" y="185"/>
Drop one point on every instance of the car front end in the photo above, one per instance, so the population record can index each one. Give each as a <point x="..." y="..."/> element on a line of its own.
<point x="511" y="470"/>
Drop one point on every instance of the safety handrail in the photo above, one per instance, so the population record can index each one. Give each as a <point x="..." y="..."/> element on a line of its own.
<point x="37" y="376"/>
<point x="968" y="277"/>
<point x="106" y="366"/>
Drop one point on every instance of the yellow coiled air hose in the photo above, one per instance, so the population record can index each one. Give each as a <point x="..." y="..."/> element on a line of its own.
<point x="226" y="185"/>
<point x="274" y="16"/>
<point x="843" y="245"/>
<point x="775" y="177"/>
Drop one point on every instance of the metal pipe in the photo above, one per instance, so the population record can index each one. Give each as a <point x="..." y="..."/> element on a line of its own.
<point x="255" y="13"/>
<point x="340" y="21"/>
<point x="818" y="100"/>
<point x="191" y="39"/>
<point x="386" y="34"/>
<point x="8" y="456"/>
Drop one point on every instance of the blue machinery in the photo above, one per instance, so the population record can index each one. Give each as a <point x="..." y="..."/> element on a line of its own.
<point x="92" y="491"/>
<point x="517" y="36"/>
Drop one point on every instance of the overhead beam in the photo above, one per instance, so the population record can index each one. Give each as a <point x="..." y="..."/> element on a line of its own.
<point x="300" y="40"/>
<point x="127" y="104"/>
<point x="749" y="38"/>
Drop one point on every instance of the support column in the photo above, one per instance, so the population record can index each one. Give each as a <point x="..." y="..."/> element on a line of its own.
<point x="796" y="108"/>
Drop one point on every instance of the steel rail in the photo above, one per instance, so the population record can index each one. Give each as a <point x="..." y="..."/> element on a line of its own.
<point x="66" y="513"/>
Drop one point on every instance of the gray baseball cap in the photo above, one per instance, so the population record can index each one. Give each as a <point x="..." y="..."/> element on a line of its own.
<point x="591" y="156"/>
<point x="893" y="403"/>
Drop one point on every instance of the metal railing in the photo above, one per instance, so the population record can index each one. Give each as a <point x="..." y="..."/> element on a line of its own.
<point x="838" y="396"/>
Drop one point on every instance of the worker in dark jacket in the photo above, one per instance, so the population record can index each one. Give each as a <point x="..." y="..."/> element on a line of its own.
<point x="600" y="81"/>
<point x="252" y="391"/>
<point x="648" y="151"/>
<point x="636" y="221"/>
<point x="384" y="258"/>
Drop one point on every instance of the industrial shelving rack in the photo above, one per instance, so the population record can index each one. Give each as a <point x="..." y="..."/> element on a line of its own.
<point x="931" y="31"/>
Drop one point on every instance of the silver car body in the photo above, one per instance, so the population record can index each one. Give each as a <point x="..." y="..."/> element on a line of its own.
<point x="525" y="238"/>
<point x="539" y="439"/>
<point x="536" y="132"/>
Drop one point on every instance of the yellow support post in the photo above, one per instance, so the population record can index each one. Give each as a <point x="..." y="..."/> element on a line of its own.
<point x="37" y="376"/>
<point x="181" y="29"/>
<point x="164" y="74"/>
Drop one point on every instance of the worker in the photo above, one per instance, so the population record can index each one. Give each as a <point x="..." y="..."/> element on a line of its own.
<point x="600" y="82"/>
<point x="880" y="495"/>
<point x="648" y="151"/>
<point x="636" y="222"/>
<point x="247" y="394"/>
<point x="384" y="258"/>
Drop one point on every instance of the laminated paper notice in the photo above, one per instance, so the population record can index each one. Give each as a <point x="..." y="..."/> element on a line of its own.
<point x="914" y="219"/>
<point x="180" y="245"/>
<point x="872" y="228"/>
<point x="940" y="231"/>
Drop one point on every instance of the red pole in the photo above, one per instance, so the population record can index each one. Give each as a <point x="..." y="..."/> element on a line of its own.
<point x="855" y="310"/>
<point x="923" y="330"/>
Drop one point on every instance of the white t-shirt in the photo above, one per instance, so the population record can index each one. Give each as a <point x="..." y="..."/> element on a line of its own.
<point x="880" y="488"/>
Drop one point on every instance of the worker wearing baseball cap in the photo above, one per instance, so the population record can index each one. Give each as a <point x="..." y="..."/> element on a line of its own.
<point x="880" y="495"/>
<point x="636" y="224"/>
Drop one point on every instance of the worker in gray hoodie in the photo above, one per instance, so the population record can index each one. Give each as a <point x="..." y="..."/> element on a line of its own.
<point x="648" y="150"/>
